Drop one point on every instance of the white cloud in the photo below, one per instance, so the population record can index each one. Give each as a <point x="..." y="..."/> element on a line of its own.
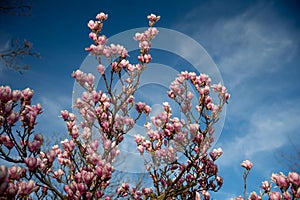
<point x="246" y="45"/>
<point x="250" y="48"/>
<point x="266" y="131"/>
<point x="50" y="120"/>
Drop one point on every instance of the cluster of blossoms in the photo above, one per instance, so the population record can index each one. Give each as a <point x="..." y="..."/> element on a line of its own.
<point x="18" y="148"/>
<point x="27" y="114"/>
<point x="179" y="92"/>
<point x="145" y="38"/>
<point x="288" y="186"/>
<point x="125" y="190"/>
<point x="11" y="185"/>
<point x="168" y="137"/>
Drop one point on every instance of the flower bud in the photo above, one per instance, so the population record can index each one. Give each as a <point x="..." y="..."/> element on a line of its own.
<point x="6" y="141"/>
<point x="101" y="69"/>
<point x="253" y="196"/>
<point x="12" y="118"/>
<point x="64" y="114"/>
<point x="266" y="186"/>
<point x="81" y="188"/>
<point x="27" y="94"/>
<point x="51" y="155"/>
<point x="88" y="178"/>
<point x="16" y="172"/>
<point x="5" y="94"/>
<point x="216" y="153"/>
<point x="99" y="171"/>
<point x="16" y="95"/>
<point x="141" y="149"/>
<point x="32" y="163"/>
<point x="294" y="178"/>
<point x="280" y="180"/>
<point x="247" y="164"/>
<point x="102" y="16"/>
<point x="12" y="190"/>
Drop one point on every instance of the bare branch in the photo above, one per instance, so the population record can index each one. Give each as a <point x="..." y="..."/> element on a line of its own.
<point x="17" y="51"/>
<point x="290" y="160"/>
<point x="18" y="8"/>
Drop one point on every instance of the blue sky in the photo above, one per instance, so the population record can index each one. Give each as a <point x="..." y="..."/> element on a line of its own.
<point x="255" y="45"/>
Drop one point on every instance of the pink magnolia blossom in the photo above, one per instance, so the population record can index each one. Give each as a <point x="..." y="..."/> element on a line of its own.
<point x="6" y="141"/>
<point x="274" y="196"/>
<point x="5" y="94"/>
<point x="13" y="118"/>
<point x="72" y="117"/>
<point x="93" y="36"/>
<point x="101" y="69"/>
<point x="247" y="164"/>
<point x="266" y="186"/>
<point x="147" y="109"/>
<point x="27" y="94"/>
<point x="88" y="177"/>
<point x="205" y="194"/>
<point x="294" y="178"/>
<point x="141" y="149"/>
<point x="216" y="153"/>
<point x="34" y="146"/>
<point x="153" y="17"/>
<point x="16" y="172"/>
<point x="253" y="196"/>
<point x="12" y="190"/>
<point x="140" y="107"/>
<point x="124" y="63"/>
<point x="57" y="174"/>
<point x="102" y="16"/>
<point x="81" y="188"/>
<point x="194" y="128"/>
<point x="64" y="114"/>
<point x="101" y="40"/>
<point x="95" y="25"/>
<point x="280" y="180"/>
<point x="146" y="58"/>
<point x="16" y="95"/>
<point x="51" y="155"/>
<point x="147" y="191"/>
<point x="25" y="188"/>
<point x="32" y="163"/>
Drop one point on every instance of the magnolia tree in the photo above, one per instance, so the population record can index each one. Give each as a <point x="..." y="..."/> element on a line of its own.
<point x="176" y="150"/>
<point x="77" y="169"/>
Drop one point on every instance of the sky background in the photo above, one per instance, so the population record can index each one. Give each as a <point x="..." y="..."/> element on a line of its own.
<point x="255" y="45"/>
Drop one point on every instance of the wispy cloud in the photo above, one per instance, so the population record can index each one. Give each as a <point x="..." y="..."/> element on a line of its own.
<point x="248" y="44"/>
<point x="254" y="51"/>
<point x="49" y="121"/>
<point x="266" y="131"/>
